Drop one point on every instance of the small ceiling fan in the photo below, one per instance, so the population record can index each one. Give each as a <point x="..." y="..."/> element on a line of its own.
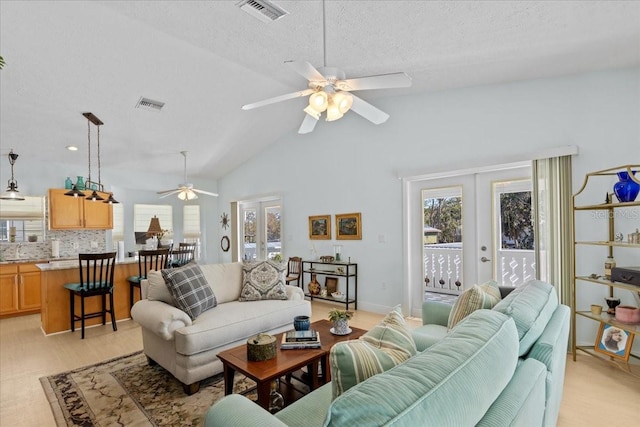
<point x="185" y="191"/>
<point x="330" y="91"/>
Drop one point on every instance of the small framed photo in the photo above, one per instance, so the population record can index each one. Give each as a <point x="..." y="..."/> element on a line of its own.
<point x="331" y="284"/>
<point x="613" y="341"/>
<point x="320" y="227"/>
<point x="349" y="226"/>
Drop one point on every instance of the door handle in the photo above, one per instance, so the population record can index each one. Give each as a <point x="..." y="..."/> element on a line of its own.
<point x="485" y="259"/>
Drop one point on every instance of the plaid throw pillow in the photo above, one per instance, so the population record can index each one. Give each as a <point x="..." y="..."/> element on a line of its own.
<point x="190" y="289"/>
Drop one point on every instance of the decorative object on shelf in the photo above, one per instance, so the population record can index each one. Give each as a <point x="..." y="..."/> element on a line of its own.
<point x="323" y="293"/>
<point x="33" y="238"/>
<point x="630" y="275"/>
<point x="618" y="237"/>
<point x="609" y="263"/>
<point x="340" y="270"/>
<point x="261" y="347"/>
<point x="12" y="234"/>
<point x="68" y="184"/>
<point x="338" y="295"/>
<point x="337" y="250"/>
<point x="326" y="258"/>
<point x="224" y="220"/>
<point x="340" y="319"/>
<point x="276" y="401"/>
<point x="331" y="284"/>
<point x="320" y="227"/>
<point x="12" y="192"/>
<point x="76" y="189"/>
<point x="313" y="286"/>
<point x="634" y="237"/>
<point x="626" y="189"/>
<point x="225" y="244"/>
<point x="613" y="341"/>
<point x="596" y="309"/>
<point x="349" y="226"/>
<point x="612" y="303"/>
<point x="301" y="323"/>
<point x="627" y="314"/>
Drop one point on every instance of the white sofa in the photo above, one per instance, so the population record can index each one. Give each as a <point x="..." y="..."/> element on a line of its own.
<point x="188" y="349"/>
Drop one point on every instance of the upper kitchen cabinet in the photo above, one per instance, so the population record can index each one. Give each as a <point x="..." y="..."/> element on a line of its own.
<point x="69" y="213"/>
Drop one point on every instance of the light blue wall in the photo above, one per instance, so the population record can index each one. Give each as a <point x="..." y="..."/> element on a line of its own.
<point x="351" y="165"/>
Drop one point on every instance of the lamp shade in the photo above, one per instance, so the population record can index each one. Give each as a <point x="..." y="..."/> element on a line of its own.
<point x="333" y="113"/>
<point x="94" y="196"/>
<point x="154" y="227"/>
<point x="319" y="101"/>
<point x="343" y="101"/>
<point x="11" y="193"/>
<point x="187" y="195"/>
<point x="74" y="192"/>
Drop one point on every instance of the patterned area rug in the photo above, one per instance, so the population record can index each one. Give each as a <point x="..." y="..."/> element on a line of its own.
<point x="126" y="391"/>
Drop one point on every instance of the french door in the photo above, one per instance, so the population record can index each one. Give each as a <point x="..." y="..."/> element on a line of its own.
<point x="261" y="229"/>
<point x="467" y="229"/>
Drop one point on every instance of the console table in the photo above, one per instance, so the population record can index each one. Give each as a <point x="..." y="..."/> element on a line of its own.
<point x="329" y="269"/>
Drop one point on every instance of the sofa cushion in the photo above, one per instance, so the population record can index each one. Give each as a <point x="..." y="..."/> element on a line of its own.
<point x="480" y="354"/>
<point x="190" y="289"/>
<point x="157" y="289"/>
<point x="263" y="281"/>
<point x="225" y="280"/>
<point x="484" y="296"/>
<point x="531" y="305"/>
<point x="386" y="345"/>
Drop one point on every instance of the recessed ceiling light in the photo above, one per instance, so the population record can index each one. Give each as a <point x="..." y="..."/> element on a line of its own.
<point x="72" y="148"/>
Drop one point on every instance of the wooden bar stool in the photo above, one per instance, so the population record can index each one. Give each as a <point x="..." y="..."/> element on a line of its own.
<point x="155" y="259"/>
<point x="96" y="279"/>
<point x="181" y="257"/>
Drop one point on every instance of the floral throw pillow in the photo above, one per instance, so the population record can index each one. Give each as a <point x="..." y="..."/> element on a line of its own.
<point x="262" y="281"/>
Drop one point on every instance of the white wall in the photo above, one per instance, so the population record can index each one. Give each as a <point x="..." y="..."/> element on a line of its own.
<point x="351" y="165"/>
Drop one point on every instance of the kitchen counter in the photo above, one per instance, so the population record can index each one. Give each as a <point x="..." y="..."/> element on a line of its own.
<point x="55" y="297"/>
<point x="31" y="260"/>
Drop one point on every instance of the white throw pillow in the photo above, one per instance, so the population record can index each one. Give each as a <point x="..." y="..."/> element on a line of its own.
<point x="157" y="289"/>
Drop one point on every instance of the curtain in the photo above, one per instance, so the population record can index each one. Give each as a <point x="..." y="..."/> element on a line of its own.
<point x="553" y="213"/>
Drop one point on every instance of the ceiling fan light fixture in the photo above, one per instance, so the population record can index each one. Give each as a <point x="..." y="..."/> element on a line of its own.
<point x="333" y="113"/>
<point x="312" y="112"/>
<point x="319" y="101"/>
<point x="187" y="195"/>
<point x="343" y="100"/>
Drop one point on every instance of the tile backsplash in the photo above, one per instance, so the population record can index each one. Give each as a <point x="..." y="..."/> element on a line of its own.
<point x="72" y="242"/>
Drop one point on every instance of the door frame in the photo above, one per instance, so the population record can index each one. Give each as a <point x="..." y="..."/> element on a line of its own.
<point x="260" y="203"/>
<point x="412" y="292"/>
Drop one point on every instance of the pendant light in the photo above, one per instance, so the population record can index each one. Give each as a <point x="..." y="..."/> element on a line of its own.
<point x="12" y="192"/>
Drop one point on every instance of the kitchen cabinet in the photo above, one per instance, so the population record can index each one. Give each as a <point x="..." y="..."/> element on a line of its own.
<point x="588" y="248"/>
<point x="19" y="289"/>
<point x="69" y="213"/>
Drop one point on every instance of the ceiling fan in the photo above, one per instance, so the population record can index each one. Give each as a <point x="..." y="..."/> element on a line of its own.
<point x="329" y="90"/>
<point x="185" y="191"/>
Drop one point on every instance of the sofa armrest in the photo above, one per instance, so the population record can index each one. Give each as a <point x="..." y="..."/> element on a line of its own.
<point x="294" y="293"/>
<point x="160" y="318"/>
<point x="435" y="313"/>
<point x="238" y="411"/>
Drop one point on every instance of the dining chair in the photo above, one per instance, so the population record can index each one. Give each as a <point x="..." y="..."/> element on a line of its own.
<point x="180" y="257"/>
<point x="294" y="270"/>
<point x="154" y="259"/>
<point x="96" y="279"/>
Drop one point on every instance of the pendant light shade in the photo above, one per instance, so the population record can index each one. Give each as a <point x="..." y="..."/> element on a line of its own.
<point x="95" y="197"/>
<point x="111" y="200"/>
<point x="12" y="192"/>
<point x="74" y="192"/>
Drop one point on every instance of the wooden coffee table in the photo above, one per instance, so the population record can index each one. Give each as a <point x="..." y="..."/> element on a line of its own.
<point x="286" y="362"/>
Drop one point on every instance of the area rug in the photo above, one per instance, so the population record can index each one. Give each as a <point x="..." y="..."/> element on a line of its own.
<point x="126" y="391"/>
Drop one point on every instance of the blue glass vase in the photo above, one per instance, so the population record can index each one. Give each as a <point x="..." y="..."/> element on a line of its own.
<point x="80" y="183"/>
<point x="68" y="183"/>
<point x="626" y="189"/>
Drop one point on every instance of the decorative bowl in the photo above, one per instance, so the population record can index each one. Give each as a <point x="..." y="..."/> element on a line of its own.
<point x="627" y="314"/>
<point x="326" y="258"/>
<point x="338" y="295"/>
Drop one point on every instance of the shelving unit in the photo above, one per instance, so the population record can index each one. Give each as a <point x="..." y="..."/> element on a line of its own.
<point x="580" y="280"/>
<point x="328" y="269"/>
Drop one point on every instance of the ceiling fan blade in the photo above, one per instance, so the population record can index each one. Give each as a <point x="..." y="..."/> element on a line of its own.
<point x="167" y="191"/>
<point x="368" y="111"/>
<point x="204" y="192"/>
<point x="381" y="81"/>
<point x="306" y="70"/>
<point x="169" y="194"/>
<point x="308" y="124"/>
<point x="278" y="99"/>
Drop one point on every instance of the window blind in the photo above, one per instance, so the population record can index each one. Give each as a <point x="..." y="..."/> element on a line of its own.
<point x="191" y="225"/>
<point x="28" y="209"/>
<point x="142" y="215"/>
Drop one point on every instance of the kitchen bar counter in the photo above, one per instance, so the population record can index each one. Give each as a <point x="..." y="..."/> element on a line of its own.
<point x="55" y="314"/>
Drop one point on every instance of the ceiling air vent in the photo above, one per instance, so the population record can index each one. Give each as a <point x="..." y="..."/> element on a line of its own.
<point x="264" y="10"/>
<point x="149" y="104"/>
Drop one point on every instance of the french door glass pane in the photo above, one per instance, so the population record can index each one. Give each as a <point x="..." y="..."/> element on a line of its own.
<point x="442" y="237"/>
<point x="250" y="226"/>
<point x="274" y="242"/>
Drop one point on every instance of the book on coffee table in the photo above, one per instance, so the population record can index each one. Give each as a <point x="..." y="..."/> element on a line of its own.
<point x="298" y="336"/>
<point x="293" y="345"/>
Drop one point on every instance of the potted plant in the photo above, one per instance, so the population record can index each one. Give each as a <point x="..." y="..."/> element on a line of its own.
<point x="340" y="319"/>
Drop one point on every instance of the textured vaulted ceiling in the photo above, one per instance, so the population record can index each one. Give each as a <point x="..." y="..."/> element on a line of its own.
<point x="205" y="59"/>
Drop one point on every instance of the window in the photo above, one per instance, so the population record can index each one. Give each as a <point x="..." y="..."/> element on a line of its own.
<point x="191" y="226"/>
<point x="117" y="233"/>
<point x="26" y="216"/>
<point x="142" y="215"/>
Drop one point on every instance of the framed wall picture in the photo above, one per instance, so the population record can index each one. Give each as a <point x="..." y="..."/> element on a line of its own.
<point x="349" y="226"/>
<point x="320" y="227"/>
<point x="613" y="341"/>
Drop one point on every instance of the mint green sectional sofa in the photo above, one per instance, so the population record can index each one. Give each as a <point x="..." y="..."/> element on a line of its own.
<point x="500" y="367"/>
